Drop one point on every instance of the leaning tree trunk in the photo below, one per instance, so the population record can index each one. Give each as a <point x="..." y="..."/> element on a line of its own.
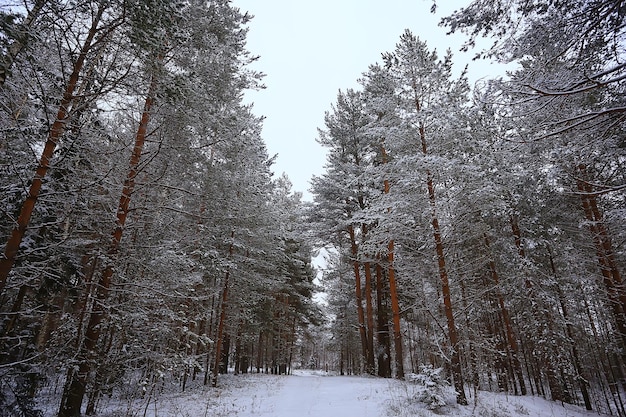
<point x="54" y="135"/>
<point x="77" y="379"/>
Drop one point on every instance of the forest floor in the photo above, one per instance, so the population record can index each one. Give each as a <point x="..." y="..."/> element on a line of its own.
<point x="309" y="393"/>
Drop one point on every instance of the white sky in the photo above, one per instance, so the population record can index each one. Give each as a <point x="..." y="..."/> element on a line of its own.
<point x="311" y="49"/>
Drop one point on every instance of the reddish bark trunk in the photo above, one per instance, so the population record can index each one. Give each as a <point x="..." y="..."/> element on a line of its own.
<point x="510" y="334"/>
<point x="56" y="130"/>
<point x="455" y="360"/>
<point x="606" y="258"/>
<point x="393" y="293"/>
<point x="77" y="380"/>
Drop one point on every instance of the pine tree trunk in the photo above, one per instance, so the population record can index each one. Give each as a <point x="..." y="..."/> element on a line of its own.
<point x="18" y="44"/>
<point x="556" y="390"/>
<point x="75" y="388"/>
<point x="341" y="357"/>
<point x="212" y="326"/>
<point x="510" y="334"/>
<point x="259" y="358"/>
<point x="606" y="258"/>
<point x="395" y="311"/>
<point x="455" y="360"/>
<point x="582" y="382"/>
<point x="222" y="319"/>
<point x="384" y="349"/>
<point x="292" y="340"/>
<point x="14" y="312"/>
<point x="224" y="355"/>
<point x="56" y="131"/>
<point x="393" y="291"/>
<point x="51" y="319"/>
<point x="238" y="354"/>
<point x="517" y="236"/>
<point x="471" y="347"/>
<point x="369" y="312"/>
<point x="359" y="298"/>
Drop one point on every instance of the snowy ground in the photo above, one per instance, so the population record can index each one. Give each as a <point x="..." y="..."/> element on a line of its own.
<point x="313" y="394"/>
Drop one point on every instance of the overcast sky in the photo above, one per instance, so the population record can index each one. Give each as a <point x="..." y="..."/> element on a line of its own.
<point x="311" y="49"/>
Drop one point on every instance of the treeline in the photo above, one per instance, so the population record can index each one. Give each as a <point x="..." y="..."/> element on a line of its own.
<point x="145" y="239"/>
<point x="483" y="230"/>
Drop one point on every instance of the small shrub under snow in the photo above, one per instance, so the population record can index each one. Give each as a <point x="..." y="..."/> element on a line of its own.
<point x="432" y="384"/>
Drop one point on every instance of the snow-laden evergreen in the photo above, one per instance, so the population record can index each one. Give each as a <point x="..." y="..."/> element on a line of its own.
<point x="474" y="237"/>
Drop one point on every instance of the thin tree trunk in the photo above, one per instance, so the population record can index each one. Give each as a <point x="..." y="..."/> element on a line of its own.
<point x="393" y="292"/>
<point x="56" y="131"/>
<point x="15" y="309"/>
<point x="472" y="351"/>
<point x="369" y="313"/>
<point x="510" y="334"/>
<point x="582" y="382"/>
<point x="259" y="358"/>
<point x="50" y="320"/>
<point x="517" y="235"/>
<point x="359" y="298"/>
<point x="455" y="360"/>
<point x="212" y="324"/>
<point x="341" y="356"/>
<point x="606" y="258"/>
<point x="220" y="327"/>
<point x="18" y="44"/>
<point x="556" y="390"/>
<point x="292" y="340"/>
<point x="238" y="354"/>
<point x="384" y="349"/>
<point x="225" y="352"/>
<point x="395" y="310"/>
<point x="75" y="388"/>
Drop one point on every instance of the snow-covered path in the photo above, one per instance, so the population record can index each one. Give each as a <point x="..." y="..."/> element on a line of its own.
<point x="317" y="396"/>
<point x="313" y="394"/>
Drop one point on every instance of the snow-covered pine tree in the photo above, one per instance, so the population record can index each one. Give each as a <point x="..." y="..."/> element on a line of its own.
<point x="342" y="193"/>
<point x="429" y="98"/>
